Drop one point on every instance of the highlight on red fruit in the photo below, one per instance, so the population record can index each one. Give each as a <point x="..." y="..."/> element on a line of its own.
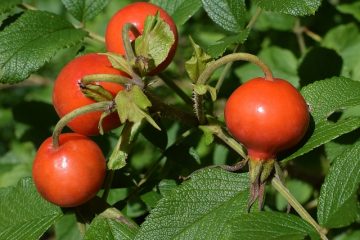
<point x="136" y="13"/>
<point x="68" y="96"/>
<point x="70" y="174"/>
<point x="267" y="116"/>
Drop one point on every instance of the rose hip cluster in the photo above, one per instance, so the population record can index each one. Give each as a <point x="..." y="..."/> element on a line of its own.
<point x="71" y="172"/>
<point x="267" y="115"/>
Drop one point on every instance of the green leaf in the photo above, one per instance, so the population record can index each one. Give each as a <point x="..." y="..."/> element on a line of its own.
<point x="330" y="95"/>
<point x="282" y="63"/>
<point x="324" y="132"/>
<point x="351" y="8"/>
<point x="199" y="208"/>
<point x="180" y="10"/>
<point x="231" y="15"/>
<point x="151" y="199"/>
<point x="219" y="47"/>
<point x="16" y="163"/>
<point x="117" y="160"/>
<point x="345" y="40"/>
<point x="24" y="214"/>
<point x="198" y="62"/>
<point x="156" y="41"/>
<point x="166" y="186"/>
<point x="106" y="228"/>
<point x="120" y="152"/>
<point x="291" y="7"/>
<point x="202" y="89"/>
<point x="132" y="106"/>
<point x="271" y="225"/>
<point x="84" y="10"/>
<point x="324" y="98"/>
<point x="119" y="62"/>
<point x="66" y="228"/>
<point x="338" y="205"/>
<point x="31" y="41"/>
<point x="349" y="235"/>
<point x="8" y="5"/>
<point x="276" y="21"/>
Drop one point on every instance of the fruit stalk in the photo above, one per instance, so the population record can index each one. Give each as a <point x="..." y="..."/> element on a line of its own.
<point x="206" y="74"/>
<point x="210" y="69"/>
<point x="99" y="106"/>
<point x="130" y="55"/>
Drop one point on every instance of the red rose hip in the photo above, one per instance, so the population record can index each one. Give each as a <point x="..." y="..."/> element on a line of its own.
<point x="67" y="94"/>
<point x="136" y="14"/>
<point x="266" y="116"/>
<point x="70" y="174"/>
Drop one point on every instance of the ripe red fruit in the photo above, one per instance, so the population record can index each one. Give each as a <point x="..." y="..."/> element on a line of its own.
<point x="70" y="174"/>
<point x="136" y="13"/>
<point x="67" y="94"/>
<point x="267" y="117"/>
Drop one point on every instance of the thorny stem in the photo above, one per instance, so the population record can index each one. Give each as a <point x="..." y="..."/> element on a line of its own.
<point x="297" y="206"/>
<point x="99" y="106"/>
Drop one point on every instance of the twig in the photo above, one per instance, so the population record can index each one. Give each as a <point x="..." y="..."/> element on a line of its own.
<point x="298" y="30"/>
<point x="297" y="206"/>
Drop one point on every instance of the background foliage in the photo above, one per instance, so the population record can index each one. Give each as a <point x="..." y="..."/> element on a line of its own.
<point x="315" y="45"/>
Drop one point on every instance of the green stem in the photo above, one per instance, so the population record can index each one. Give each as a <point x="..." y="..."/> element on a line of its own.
<point x="225" y="72"/>
<point x="228" y="66"/>
<point x="210" y="69"/>
<point x="27" y="6"/>
<point x="298" y="30"/>
<point x="220" y="133"/>
<point x="99" y="106"/>
<point x="254" y="18"/>
<point x="312" y="35"/>
<point x="206" y="74"/>
<point x="130" y="55"/>
<point x="297" y="206"/>
<point x="95" y="36"/>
